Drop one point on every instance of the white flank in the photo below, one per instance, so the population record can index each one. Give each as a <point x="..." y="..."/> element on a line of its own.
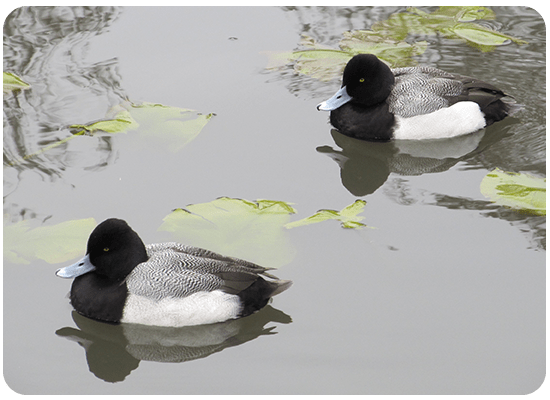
<point x="459" y="119"/>
<point x="196" y="309"/>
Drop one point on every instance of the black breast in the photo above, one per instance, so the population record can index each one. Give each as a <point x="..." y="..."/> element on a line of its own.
<point x="95" y="297"/>
<point x="365" y="123"/>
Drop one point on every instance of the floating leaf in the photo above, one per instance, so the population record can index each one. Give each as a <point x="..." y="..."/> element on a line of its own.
<point x="399" y="25"/>
<point x="317" y="61"/>
<point x="123" y="123"/>
<point x="53" y="244"/>
<point x="394" y="52"/>
<point x="174" y="126"/>
<point x="326" y="64"/>
<point x="387" y="40"/>
<point x="252" y="230"/>
<point x="480" y="35"/>
<point x="515" y="190"/>
<point x="12" y="82"/>
<point x="455" y="23"/>
<point x="460" y="13"/>
<point x="348" y="216"/>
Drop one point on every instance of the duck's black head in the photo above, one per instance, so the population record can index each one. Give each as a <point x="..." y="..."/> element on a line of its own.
<point x="115" y="249"/>
<point x="367" y="80"/>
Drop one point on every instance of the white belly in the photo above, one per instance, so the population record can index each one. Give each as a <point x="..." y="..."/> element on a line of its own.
<point x="196" y="309"/>
<point x="459" y="119"/>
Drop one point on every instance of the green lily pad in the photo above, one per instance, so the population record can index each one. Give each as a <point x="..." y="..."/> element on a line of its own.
<point x="175" y="127"/>
<point x="348" y="217"/>
<point x="12" y="82"/>
<point x="123" y="123"/>
<point x="318" y="61"/>
<point x="396" y="53"/>
<point x="387" y="39"/>
<point x="480" y="35"/>
<point x="455" y="22"/>
<point x="252" y="230"/>
<point x="25" y="242"/>
<point x="453" y="14"/>
<point x="326" y="64"/>
<point x="459" y="13"/>
<point x="172" y="126"/>
<point x="518" y="191"/>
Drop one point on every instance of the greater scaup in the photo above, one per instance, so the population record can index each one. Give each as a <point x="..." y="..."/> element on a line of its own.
<point x="165" y="284"/>
<point x="378" y="103"/>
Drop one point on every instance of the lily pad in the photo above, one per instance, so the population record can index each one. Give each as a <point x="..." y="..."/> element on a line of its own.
<point x="396" y="53"/>
<point x="387" y="39"/>
<point x="25" y="242"/>
<point x="123" y="123"/>
<point x="252" y="230"/>
<point x="455" y="22"/>
<point x="518" y="191"/>
<point x="348" y="216"/>
<point x="321" y="64"/>
<point x="459" y="13"/>
<point x="326" y="64"/>
<point x="12" y="82"/>
<point x="480" y="35"/>
<point x="316" y="60"/>
<point x="174" y="127"/>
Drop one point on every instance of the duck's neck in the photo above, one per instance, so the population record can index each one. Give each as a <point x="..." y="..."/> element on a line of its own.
<point x="373" y="123"/>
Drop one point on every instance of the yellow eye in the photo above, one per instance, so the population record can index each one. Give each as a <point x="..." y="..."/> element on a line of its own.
<point x="362" y="80"/>
<point x="106" y="249"/>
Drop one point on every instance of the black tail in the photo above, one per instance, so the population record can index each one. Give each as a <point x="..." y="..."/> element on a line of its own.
<point x="257" y="295"/>
<point x="493" y="102"/>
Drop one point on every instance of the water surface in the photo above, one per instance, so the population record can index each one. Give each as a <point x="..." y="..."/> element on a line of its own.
<point x="445" y="294"/>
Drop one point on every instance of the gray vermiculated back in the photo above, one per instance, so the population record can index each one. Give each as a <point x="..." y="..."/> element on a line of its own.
<point x="422" y="90"/>
<point x="176" y="270"/>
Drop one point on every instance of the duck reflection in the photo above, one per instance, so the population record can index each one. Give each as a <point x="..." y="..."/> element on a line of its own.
<point x="365" y="166"/>
<point x="114" y="351"/>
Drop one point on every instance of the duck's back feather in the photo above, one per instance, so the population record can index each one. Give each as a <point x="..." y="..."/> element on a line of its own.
<point x="423" y="90"/>
<point x="176" y="270"/>
<point x="236" y="263"/>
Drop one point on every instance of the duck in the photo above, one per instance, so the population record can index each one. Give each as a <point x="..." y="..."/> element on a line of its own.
<point x="120" y="280"/>
<point x="376" y="103"/>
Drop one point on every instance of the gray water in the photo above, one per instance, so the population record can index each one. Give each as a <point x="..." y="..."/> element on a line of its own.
<point x="443" y="293"/>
